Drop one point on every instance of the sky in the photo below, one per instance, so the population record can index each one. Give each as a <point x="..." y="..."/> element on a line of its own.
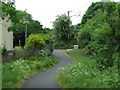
<point x="45" y="11"/>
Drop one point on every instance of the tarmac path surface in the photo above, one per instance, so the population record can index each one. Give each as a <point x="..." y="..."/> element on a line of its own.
<point x="46" y="79"/>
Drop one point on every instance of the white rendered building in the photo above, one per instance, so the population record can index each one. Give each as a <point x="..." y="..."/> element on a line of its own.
<point x="6" y="38"/>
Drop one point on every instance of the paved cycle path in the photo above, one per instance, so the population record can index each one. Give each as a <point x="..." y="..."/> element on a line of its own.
<point x="46" y="79"/>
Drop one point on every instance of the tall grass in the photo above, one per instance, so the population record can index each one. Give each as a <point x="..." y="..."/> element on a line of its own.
<point x="13" y="73"/>
<point x="83" y="73"/>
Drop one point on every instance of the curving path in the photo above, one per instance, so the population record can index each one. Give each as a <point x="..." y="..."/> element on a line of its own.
<point x="46" y="79"/>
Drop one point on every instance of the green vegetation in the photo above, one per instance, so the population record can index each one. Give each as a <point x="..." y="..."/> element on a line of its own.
<point x="34" y="44"/>
<point x="92" y="11"/>
<point x="95" y="65"/>
<point x="21" y="19"/>
<point x="14" y="73"/>
<point x="40" y="41"/>
<point x="3" y="50"/>
<point x="63" y="30"/>
<point x="34" y="58"/>
<point x="99" y="38"/>
<point x="63" y="45"/>
<point x="37" y="52"/>
<point x="35" y="41"/>
<point x="100" y="35"/>
<point x="85" y="73"/>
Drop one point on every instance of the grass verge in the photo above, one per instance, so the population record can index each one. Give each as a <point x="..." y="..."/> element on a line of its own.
<point x="83" y="73"/>
<point x="14" y="73"/>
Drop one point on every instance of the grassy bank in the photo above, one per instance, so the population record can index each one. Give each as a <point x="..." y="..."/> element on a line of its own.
<point x="84" y="73"/>
<point x="14" y="73"/>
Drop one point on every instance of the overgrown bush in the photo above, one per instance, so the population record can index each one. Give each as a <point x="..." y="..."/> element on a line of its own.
<point x="44" y="52"/>
<point x="40" y="41"/>
<point x="63" y="45"/>
<point x="35" y="40"/>
<point x="49" y="41"/>
<point x="60" y="43"/>
<point x="37" y="45"/>
<point x="4" y="53"/>
<point x="98" y="37"/>
<point x="84" y="73"/>
<point x="15" y="72"/>
<point x="3" y="50"/>
<point x="18" y="52"/>
<point x="62" y="27"/>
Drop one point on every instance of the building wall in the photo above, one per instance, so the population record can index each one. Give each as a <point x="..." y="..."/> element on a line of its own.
<point x="7" y="37"/>
<point x="0" y="32"/>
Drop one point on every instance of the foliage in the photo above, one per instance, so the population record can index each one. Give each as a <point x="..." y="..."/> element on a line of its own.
<point x="34" y="26"/>
<point x="63" y="45"/>
<point x="37" y="45"/>
<point x="60" y="43"/>
<point x="3" y="50"/>
<point x="62" y="28"/>
<point x="19" y="19"/>
<point x="35" y="41"/>
<point x="84" y="73"/>
<point x="44" y="52"/>
<point x="18" y="52"/>
<point x="17" y="48"/>
<point x="100" y="35"/>
<point x="40" y="41"/>
<point x="19" y="70"/>
<point x="91" y="11"/>
<point x="18" y="28"/>
<point x="48" y="31"/>
<point x="47" y="38"/>
<point x="8" y="8"/>
<point x="49" y="41"/>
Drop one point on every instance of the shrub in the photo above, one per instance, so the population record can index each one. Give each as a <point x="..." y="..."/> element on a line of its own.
<point x="50" y="44"/>
<point x="47" y="38"/>
<point x="4" y="50"/>
<point x="60" y="43"/>
<point x="35" y="40"/>
<point x="18" y="52"/>
<point x="4" y="53"/>
<point x="17" y="71"/>
<point x="17" y="48"/>
<point x="14" y="71"/>
<point x="38" y="42"/>
<point x="83" y="73"/>
<point x="44" y="52"/>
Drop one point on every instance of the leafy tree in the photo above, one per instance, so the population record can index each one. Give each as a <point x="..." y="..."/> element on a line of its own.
<point x="18" y="27"/>
<point x="100" y="35"/>
<point x="48" y="31"/>
<point x="19" y="20"/>
<point x="91" y="11"/>
<point x="62" y="27"/>
<point x="9" y="9"/>
<point x="33" y="26"/>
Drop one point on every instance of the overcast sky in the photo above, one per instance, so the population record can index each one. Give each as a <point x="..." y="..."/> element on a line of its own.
<point x="46" y="11"/>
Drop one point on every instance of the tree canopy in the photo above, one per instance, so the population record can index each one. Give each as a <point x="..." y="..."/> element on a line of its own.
<point x="100" y="34"/>
<point x="62" y="27"/>
<point x="19" y="19"/>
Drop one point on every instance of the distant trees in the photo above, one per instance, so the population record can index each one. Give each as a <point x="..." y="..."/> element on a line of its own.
<point x="19" y="19"/>
<point x="106" y="0"/>
<point x="62" y="27"/>
<point x="19" y="27"/>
